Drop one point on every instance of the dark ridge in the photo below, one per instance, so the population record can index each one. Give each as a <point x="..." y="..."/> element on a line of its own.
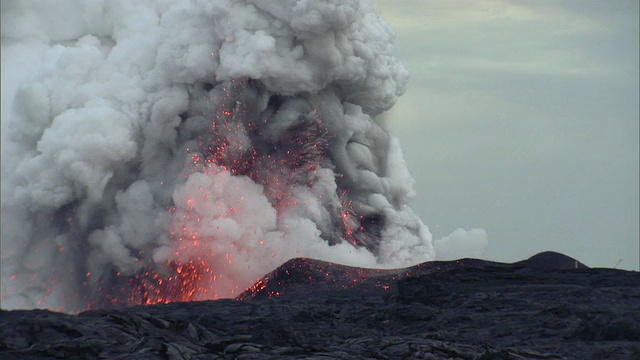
<point x="294" y="276"/>
<point x="551" y="260"/>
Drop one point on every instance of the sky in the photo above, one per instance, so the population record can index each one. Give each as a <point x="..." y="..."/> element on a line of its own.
<point x="521" y="117"/>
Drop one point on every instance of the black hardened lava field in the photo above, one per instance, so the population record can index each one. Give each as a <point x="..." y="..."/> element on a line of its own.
<point x="547" y="307"/>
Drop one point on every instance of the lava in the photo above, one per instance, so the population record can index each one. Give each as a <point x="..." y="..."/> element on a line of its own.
<point x="194" y="280"/>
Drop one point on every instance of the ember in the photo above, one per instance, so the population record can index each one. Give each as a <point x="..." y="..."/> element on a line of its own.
<point x="194" y="280"/>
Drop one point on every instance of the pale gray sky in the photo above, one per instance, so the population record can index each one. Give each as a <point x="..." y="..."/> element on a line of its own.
<point x="521" y="117"/>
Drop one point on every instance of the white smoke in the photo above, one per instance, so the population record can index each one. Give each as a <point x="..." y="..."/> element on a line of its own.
<point x="229" y="135"/>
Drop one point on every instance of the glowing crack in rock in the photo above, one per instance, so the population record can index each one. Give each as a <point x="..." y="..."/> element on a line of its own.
<point x="179" y="150"/>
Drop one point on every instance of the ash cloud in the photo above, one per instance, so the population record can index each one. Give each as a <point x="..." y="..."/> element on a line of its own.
<point x="159" y="151"/>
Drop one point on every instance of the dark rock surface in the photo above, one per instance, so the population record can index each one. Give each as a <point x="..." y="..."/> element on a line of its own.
<point x="546" y="307"/>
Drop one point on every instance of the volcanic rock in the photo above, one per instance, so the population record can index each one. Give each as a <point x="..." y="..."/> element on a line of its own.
<point x="547" y="307"/>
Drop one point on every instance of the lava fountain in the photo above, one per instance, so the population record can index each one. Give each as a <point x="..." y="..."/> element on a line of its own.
<point x="176" y="151"/>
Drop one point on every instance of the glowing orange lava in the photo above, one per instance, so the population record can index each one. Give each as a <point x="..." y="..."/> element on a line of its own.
<point x="188" y="282"/>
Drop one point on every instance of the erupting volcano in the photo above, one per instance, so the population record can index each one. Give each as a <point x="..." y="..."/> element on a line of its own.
<point x="174" y="151"/>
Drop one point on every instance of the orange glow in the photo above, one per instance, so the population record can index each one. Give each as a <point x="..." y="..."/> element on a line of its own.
<point x="189" y="281"/>
<point x="289" y="163"/>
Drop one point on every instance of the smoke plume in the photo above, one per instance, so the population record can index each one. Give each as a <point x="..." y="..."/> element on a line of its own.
<point x="157" y="151"/>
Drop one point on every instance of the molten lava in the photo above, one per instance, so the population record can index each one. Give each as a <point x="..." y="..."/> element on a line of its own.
<point x="187" y="282"/>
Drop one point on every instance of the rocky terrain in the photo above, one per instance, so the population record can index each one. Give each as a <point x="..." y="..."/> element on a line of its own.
<point x="547" y="307"/>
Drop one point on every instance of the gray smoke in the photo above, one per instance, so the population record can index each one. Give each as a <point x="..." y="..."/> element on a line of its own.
<point x="147" y="140"/>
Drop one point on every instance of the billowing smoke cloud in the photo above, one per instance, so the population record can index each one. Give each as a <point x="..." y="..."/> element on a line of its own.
<point x="156" y="151"/>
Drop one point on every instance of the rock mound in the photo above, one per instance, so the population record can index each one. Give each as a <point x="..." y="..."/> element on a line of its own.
<point x="298" y="276"/>
<point x="550" y="260"/>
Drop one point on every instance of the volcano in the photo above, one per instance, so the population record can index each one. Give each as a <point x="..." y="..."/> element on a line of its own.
<point x="174" y="151"/>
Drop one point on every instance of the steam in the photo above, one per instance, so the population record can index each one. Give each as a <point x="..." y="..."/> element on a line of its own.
<point x="211" y="138"/>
